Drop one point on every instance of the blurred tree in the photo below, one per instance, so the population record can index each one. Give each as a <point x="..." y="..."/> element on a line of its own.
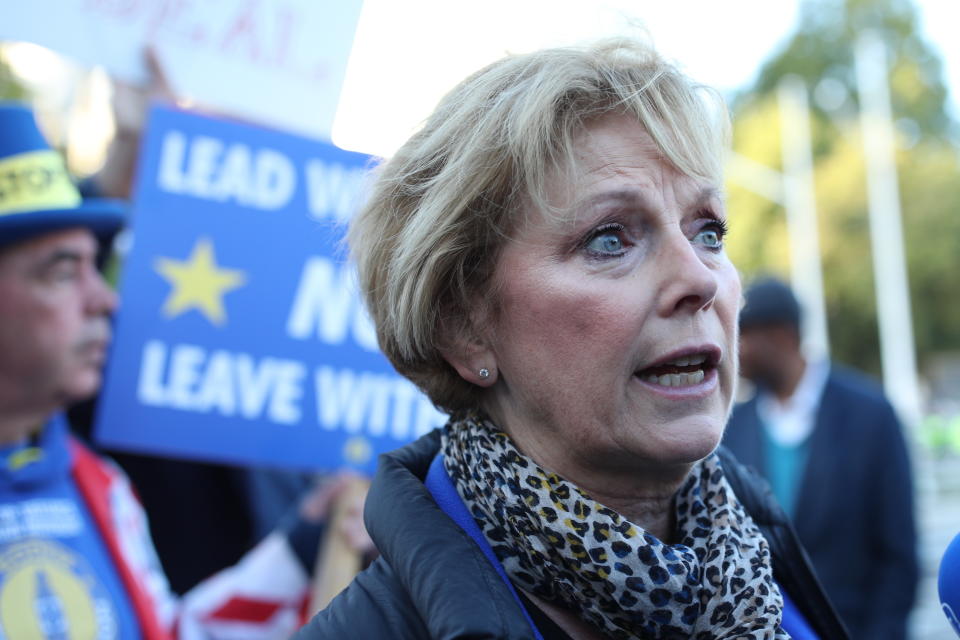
<point x="821" y="52"/>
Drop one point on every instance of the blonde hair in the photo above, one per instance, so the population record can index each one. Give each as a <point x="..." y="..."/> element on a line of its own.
<point x="428" y="238"/>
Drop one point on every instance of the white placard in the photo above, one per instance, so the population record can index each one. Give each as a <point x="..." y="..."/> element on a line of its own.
<point x="278" y="62"/>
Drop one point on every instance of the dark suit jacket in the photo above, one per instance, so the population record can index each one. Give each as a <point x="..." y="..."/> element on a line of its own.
<point x="854" y="507"/>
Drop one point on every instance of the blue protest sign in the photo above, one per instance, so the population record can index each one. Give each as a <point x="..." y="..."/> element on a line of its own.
<point x="240" y="335"/>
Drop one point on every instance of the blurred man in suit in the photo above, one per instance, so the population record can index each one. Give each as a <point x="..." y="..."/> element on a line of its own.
<point x="832" y="449"/>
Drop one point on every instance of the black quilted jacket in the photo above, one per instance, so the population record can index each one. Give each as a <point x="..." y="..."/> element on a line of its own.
<point x="431" y="580"/>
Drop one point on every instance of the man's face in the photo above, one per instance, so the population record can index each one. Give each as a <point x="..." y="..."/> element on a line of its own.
<point x="54" y="327"/>
<point x="764" y="353"/>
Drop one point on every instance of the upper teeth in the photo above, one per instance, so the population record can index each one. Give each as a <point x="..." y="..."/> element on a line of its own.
<point x="686" y="361"/>
<point x="677" y="379"/>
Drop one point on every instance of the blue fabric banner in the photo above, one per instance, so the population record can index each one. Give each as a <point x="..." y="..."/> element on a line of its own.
<point x="240" y="336"/>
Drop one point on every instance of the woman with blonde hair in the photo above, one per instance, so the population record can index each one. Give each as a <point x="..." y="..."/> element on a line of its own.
<point x="544" y="258"/>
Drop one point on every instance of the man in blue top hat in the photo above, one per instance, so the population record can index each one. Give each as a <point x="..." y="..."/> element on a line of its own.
<point x="54" y="332"/>
<point x="54" y="304"/>
<point x="75" y="555"/>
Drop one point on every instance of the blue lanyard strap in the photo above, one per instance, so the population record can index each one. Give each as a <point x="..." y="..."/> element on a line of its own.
<point x="441" y="487"/>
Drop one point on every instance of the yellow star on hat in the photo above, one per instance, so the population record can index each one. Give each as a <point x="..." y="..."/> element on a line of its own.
<point x="198" y="283"/>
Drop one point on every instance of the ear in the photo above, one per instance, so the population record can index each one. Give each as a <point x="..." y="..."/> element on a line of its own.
<point x="469" y="354"/>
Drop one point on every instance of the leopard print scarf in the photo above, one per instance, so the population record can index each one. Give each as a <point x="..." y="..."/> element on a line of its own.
<point x="557" y="543"/>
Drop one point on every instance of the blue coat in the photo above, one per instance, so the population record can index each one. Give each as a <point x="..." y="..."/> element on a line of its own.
<point x="854" y="504"/>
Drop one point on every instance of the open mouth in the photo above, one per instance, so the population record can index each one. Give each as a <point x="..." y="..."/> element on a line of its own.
<point x="683" y="371"/>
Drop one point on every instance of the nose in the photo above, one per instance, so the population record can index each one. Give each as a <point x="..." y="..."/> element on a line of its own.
<point x="101" y="298"/>
<point x="689" y="284"/>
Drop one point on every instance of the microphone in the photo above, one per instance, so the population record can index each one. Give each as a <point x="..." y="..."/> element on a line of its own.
<point x="949" y="583"/>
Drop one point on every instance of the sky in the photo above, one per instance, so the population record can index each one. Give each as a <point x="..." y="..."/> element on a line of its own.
<point x="940" y="19"/>
<point x="416" y="50"/>
<point x="408" y="53"/>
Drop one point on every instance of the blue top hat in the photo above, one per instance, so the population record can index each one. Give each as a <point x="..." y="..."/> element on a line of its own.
<point x="37" y="195"/>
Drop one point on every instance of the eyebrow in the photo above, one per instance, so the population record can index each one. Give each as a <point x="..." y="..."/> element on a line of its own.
<point x="637" y="196"/>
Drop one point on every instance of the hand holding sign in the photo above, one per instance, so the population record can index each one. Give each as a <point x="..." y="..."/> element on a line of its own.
<point x="346" y="542"/>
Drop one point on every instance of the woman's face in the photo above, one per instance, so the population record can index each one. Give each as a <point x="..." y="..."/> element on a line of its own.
<point x="614" y="338"/>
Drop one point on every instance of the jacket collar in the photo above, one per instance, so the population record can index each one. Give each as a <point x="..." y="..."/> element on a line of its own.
<point x="432" y="556"/>
<point x="42" y="461"/>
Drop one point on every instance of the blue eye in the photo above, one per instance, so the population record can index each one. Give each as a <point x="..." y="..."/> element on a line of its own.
<point x="606" y="242"/>
<point x="711" y="236"/>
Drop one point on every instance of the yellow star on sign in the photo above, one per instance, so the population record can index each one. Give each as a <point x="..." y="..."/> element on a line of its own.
<point x="198" y="283"/>
<point x="357" y="450"/>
